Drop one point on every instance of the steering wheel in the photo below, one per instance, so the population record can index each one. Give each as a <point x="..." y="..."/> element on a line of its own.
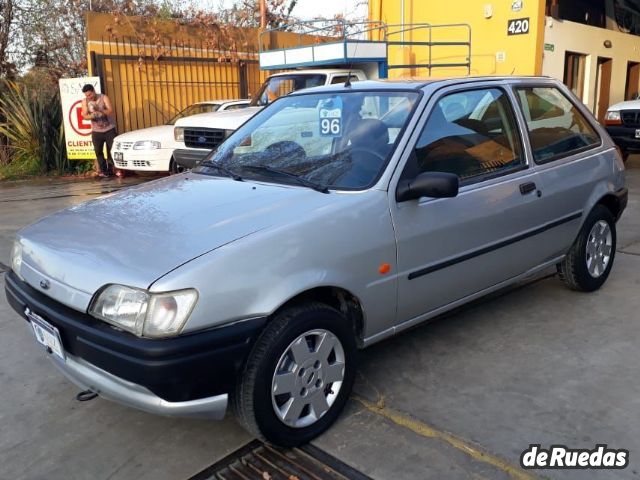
<point x="286" y="149"/>
<point x="362" y="173"/>
<point x="369" y="151"/>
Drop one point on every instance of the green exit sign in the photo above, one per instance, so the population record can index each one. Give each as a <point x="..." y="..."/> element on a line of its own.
<point x="549" y="47"/>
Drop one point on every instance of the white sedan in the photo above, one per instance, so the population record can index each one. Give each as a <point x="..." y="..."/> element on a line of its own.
<point x="151" y="149"/>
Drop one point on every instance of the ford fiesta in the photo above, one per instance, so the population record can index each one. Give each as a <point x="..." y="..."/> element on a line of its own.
<point x="333" y="219"/>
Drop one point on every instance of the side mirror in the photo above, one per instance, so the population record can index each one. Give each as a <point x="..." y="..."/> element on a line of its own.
<point x="428" y="184"/>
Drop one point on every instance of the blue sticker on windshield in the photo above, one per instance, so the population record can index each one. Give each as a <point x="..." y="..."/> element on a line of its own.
<point x="331" y="117"/>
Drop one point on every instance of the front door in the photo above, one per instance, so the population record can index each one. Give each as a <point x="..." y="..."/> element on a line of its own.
<point x="449" y="249"/>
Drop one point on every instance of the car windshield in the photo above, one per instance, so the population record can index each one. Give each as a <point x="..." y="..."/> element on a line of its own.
<point x="194" y="110"/>
<point x="338" y="140"/>
<point x="281" y="85"/>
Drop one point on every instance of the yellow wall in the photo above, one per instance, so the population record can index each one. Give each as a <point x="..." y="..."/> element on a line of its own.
<point x="522" y="53"/>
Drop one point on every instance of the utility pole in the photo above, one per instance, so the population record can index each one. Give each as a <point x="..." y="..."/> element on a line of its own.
<point x="263" y="13"/>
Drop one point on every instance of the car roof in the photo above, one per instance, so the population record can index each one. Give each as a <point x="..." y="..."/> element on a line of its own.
<point x="316" y="71"/>
<point x="419" y="83"/>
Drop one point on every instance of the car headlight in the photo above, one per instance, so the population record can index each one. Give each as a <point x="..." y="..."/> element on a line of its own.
<point x="16" y="257"/>
<point x="146" y="145"/>
<point x="144" y="313"/>
<point x="178" y="134"/>
<point x="227" y="133"/>
<point x="613" y="118"/>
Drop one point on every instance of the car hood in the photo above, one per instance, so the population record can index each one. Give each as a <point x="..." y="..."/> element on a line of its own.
<point x="230" y="120"/>
<point x="137" y="235"/>
<point x="159" y="133"/>
<point x="629" y="105"/>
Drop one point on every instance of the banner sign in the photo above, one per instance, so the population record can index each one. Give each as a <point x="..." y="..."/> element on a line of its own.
<point x="77" y="130"/>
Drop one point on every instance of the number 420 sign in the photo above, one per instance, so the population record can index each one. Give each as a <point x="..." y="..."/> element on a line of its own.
<point x="518" y="26"/>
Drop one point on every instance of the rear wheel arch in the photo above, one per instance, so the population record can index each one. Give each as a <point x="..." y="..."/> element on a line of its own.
<point x="612" y="204"/>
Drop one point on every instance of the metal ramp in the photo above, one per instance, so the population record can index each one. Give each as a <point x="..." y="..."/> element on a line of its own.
<point x="339" y="43"/>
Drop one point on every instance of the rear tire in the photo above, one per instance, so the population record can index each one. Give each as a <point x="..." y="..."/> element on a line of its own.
<point x="588" y="263"/>
<point x="625" y="156"/>
<point x="298" y="376"/>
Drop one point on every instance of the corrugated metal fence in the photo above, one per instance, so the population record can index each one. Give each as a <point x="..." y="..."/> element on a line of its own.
<point x="149" y="84"/>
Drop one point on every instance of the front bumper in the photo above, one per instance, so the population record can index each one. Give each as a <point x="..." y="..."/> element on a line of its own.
<point x="89" y="377"/>
<point x="188" y="375"/>
<point x="624" y="137"/>
<point x="143" y="160"/>
<point x="188" y="158"/>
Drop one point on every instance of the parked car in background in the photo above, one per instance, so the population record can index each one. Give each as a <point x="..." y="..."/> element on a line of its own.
<point x="622" y="122"/>
<point x="334" y="218"/>
<point x="151" y="149"/>
<point x="203" y="133"/>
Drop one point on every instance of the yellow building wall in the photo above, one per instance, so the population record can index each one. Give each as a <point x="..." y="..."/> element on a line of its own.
<point x="493" y="51"/>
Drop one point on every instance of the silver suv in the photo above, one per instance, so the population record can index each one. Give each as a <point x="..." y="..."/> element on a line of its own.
<point x="333" y="219"/>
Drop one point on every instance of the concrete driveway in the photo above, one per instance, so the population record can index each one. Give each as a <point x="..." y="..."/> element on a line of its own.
<point x="459" y="398"/>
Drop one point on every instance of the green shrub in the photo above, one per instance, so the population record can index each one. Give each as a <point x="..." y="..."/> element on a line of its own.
<point x="32" y="124"/>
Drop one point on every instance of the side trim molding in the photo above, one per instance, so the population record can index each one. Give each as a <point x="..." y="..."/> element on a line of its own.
<point x="490" y="248"/>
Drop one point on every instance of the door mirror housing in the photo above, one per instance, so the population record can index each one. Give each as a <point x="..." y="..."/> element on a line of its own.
<point x="428" y="184"/>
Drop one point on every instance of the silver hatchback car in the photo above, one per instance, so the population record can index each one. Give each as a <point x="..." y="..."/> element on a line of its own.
<point x="334" y="218"/>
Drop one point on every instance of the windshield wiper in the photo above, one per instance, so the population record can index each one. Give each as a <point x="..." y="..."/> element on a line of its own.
<point x="297" y="178"/>
<point x="222" y="168"/>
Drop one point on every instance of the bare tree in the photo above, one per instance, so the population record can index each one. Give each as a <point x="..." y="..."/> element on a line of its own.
<point x="7" y="69"/>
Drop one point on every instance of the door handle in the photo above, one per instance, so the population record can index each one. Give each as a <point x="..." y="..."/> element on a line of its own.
<point x="527" y="188"/>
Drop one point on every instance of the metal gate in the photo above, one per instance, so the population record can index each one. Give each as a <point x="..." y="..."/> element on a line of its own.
<point x="149" y="84"/>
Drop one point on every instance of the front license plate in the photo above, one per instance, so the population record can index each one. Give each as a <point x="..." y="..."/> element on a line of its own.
<point x="46" y="334"/>
<point x="637" y="133"/>
<point x="118" y="156"/>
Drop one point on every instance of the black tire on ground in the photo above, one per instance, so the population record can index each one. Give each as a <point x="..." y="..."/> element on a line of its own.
<point x="174" y="168"/>
<point x="573" y="269"/>
<point x="252" y="401"/>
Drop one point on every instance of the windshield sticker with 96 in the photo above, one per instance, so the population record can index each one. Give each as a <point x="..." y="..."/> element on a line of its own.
<point x="331" y="117"/>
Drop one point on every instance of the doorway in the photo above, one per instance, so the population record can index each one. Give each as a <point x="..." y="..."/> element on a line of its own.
<point x="633" y="79"/>
<point x="603" y="88"/>
<point x="574" y="72"/>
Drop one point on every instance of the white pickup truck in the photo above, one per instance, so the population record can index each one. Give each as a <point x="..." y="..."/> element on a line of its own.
<point x="204" y="132"/>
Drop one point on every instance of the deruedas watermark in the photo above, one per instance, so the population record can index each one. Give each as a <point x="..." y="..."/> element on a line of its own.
<point x="562" y="457"/>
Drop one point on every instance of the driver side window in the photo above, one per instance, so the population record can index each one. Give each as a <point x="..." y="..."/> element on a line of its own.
<point x="472" y="134"/>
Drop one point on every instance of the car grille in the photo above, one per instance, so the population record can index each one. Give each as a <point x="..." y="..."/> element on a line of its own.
<point x="123" y="145"/>
<point x="120" y="163"/>
<point x="141" y="163"/>
<point x="630" y="118"/>
<point x="208" y="138"/>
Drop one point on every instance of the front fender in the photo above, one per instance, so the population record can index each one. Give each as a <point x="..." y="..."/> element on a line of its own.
<point x="337" y="247"/>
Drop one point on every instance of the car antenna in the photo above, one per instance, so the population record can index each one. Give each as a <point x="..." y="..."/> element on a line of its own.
<point x="347" y="82"/>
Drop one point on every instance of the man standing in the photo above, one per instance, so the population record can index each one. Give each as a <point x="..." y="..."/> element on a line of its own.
<point x="98" y="109"/>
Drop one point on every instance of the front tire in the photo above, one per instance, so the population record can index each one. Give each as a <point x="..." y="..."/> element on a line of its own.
<point x="588" y="263"/>
<point x="174" y="168"/>
<point x="298" y="376"/>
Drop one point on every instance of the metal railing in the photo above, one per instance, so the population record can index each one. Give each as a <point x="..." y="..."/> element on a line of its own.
<point x="313" y="32"/>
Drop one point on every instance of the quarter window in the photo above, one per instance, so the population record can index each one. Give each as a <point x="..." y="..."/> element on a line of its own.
<point x="472" y="134"/>
<point x="343" y="79"/>
<point x="556" y="127"/>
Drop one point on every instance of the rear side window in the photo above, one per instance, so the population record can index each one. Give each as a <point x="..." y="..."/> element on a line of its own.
<point x="556" y="127"/>
<point x="236" y="106"/>
<point x="472" y="134"/>
<point x="342" y="79"/>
